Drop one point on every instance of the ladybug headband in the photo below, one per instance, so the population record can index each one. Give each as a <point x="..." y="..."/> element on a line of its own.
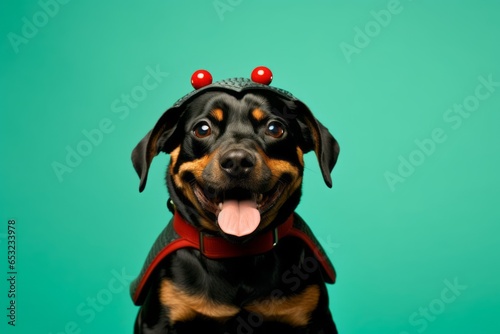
<point x="259" y="80"/>
<point x="160" y="139"/>
<point x="260" y="74"/>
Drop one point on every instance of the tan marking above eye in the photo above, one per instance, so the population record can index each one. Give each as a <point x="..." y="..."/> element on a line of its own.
<point x="294" y="310"/>
<point x="183" y="306"/>
<point x="258" y="114"/>
<point x="218" y="114"/>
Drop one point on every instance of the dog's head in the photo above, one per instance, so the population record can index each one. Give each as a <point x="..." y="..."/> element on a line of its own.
<point x="236" y="155"/>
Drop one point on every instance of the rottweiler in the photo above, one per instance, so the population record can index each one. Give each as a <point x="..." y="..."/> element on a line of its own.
<point x="235" y="258"/>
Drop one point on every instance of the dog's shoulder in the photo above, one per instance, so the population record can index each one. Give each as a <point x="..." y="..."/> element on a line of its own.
<point x="302" y="231"/>
<point x="162" y="247"/>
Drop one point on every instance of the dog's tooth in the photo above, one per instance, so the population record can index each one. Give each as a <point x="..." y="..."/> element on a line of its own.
<point x="220" y="205"/>
<point x="260" y="197"/>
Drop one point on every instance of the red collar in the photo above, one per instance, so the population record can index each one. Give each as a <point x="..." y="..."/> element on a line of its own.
<point x="216" y="247"/>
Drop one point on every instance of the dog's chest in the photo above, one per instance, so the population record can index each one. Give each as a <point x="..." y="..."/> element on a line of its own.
<point x="234" y="281"/>
<point x="221" y="290"/>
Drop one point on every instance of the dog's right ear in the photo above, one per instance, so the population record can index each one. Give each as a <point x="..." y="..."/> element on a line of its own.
<point x="162" y="138"/>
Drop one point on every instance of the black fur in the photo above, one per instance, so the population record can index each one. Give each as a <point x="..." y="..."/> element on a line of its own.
<point x="236" y="281"/>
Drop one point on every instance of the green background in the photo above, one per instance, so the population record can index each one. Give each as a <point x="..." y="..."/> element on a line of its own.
<point x="395" y="248"/>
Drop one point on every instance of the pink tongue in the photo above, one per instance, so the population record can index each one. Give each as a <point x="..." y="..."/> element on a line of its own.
<point x="239" y="218"/>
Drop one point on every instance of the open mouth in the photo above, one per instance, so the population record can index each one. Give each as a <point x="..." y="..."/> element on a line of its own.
<point x="238" y="210"/>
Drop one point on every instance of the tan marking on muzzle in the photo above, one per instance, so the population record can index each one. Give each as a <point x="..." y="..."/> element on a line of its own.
<point x="278" y="169"/>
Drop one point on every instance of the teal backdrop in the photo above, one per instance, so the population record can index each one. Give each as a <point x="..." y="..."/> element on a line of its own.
<point x="411" y="90"/>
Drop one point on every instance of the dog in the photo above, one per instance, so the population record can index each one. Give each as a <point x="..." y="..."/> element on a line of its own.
<point x="235" y="258"/>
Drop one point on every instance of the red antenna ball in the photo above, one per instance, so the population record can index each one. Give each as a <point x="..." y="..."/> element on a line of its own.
<point x="201" y="78"/>
<point x="262" y="75"/>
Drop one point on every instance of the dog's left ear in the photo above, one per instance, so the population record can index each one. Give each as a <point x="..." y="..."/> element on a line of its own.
<point x="317" y="137"/>
<point x="161" y="138"/>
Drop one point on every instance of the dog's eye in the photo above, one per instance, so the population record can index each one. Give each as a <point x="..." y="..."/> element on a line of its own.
<point x="202" y="130"/>
<point x="275" y="129"/>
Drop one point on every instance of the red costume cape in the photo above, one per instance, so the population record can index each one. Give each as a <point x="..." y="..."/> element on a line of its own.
<point x="180" y="234"/>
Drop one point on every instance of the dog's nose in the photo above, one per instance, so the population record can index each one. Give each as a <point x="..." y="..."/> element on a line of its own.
<point x="237" y="163"/>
